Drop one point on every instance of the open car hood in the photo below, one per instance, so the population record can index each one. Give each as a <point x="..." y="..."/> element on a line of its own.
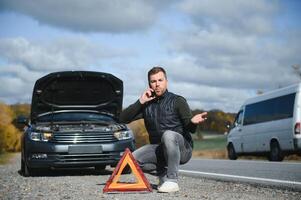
<point x="77" y="90"/>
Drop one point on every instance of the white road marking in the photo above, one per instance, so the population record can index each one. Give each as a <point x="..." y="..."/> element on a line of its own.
<point x="250" y="161"/>
<point x="242" y="177"/>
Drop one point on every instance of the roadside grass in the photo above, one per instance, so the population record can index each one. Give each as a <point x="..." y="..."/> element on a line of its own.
<point x="210" y="143"/>
<point x="210" y="147"/>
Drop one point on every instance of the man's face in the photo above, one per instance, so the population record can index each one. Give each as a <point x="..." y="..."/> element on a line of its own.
<point x="158" y="83"/>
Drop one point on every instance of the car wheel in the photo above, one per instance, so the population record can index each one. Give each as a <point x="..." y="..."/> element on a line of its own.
<point x="25" y="170"/>
<point x="22" y="167"/>
<point x="275" y="152"/>
<point x="231" y="152"/>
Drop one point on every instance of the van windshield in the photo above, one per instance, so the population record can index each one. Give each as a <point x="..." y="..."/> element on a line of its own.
<point x="238" y="118"/>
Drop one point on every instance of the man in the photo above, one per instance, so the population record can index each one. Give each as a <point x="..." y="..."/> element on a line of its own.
<point x="169" y="122"/>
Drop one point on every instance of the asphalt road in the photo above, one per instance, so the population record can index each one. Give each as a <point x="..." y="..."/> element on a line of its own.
<point x="282" y="174"/>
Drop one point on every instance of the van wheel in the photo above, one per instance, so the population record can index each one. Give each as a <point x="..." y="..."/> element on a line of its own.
<point x="231" y="152"/>
<point x="275" y="152"/>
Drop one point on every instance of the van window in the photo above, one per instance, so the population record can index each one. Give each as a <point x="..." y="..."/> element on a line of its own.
<point x="272" y="109"/>
<point x="238" y="118"/>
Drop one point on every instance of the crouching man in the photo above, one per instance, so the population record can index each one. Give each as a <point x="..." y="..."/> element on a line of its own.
<point x="169" y="122"/>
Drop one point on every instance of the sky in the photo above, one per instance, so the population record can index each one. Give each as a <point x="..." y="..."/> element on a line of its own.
<point x="217" y="53"/>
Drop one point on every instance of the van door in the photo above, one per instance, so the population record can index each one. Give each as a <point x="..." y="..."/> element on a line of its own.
<point x="236" y="132"/>
<point x="250" y="138"/>
<point x="250" y="132"/>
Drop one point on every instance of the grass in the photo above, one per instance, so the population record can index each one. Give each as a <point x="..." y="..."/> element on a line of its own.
<point x="214" y="143"/>
<point x="213" y="147"/>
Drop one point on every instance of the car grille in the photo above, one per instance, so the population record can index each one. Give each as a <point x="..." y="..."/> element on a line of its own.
<point x="88" y="158"/>
<point x="83" y="137"/>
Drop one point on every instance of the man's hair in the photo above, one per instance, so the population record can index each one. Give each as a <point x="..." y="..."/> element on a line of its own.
<point x="156" y="70"/>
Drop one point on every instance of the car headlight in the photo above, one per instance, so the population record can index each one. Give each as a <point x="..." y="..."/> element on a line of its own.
<point x="36" y="136"/>
<point x="123" y="134"/>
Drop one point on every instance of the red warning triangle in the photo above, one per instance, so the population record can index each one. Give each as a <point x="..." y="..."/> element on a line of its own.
<point x="142" y="183"/>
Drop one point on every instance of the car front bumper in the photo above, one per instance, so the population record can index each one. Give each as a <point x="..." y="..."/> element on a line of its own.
<point x="52" y="155"/>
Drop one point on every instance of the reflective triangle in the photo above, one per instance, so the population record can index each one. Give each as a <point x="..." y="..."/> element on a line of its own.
<point x="141" y="184"/>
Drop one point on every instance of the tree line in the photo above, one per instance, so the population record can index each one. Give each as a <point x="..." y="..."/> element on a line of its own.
<point x="10" y="131"/>
<point x="216" y="121"/>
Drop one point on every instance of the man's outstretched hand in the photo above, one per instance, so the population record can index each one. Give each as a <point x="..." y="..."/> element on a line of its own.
<point x="199" y="118"/>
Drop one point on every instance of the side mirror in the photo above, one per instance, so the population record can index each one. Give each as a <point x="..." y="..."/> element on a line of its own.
<point x="228" y="125"/>
<point x="22" y="120"/>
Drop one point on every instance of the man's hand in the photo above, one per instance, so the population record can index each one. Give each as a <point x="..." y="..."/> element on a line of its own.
<point x="199" y="118"/>
<point x="146" y="96"/>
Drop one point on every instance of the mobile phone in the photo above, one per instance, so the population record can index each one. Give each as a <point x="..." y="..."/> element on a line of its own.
<point x="153" y="94"/>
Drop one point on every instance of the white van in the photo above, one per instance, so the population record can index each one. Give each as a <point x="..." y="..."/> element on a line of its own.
<point x="268" y="124"/>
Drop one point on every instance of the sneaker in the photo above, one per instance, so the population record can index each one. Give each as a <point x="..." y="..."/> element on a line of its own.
<point x="169" y="186"/>
<point x="161" y="180"/>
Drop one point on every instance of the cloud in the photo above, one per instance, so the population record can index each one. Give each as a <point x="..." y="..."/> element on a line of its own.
<point x="208" y="97"/>
<point x="90" y="15"/>
<point x="65" y="53"/>
<point x="255" y="66"/>
<point x="24" y="61"/>
<point x="195" y="42"/>
<point x="221" y="88"/>
<point x="217" y="53"/>
<point x="239" y="16"/>
<point x="223" y="50"/>
<point x="16" y="83"/>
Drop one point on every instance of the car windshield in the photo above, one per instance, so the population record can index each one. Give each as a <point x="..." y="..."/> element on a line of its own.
<point x="74" y="117"/>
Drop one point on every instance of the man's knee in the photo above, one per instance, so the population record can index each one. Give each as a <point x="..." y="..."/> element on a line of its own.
<point x="137" y="154"/>
<point x="169" y="136"/>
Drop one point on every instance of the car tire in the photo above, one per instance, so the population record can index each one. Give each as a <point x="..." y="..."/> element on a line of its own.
<point x="25" y="170"/>
<point x="276" y="153"/>
<point x="231" y="152"/>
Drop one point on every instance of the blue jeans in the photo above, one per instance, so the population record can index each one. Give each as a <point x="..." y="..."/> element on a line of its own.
<point x="164" y="158"/>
